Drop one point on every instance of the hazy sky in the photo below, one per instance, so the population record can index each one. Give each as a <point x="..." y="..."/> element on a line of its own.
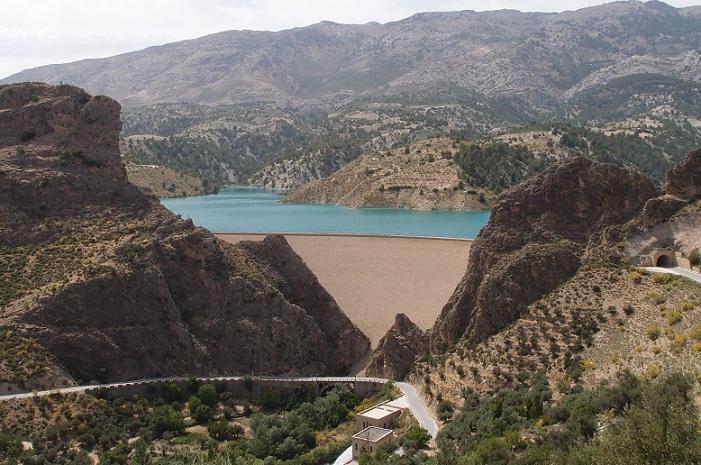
<point x="38" y="32"/>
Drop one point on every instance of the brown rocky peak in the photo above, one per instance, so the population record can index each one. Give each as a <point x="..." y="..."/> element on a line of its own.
<point x="537" y="237"/>
<point x="116" y="287"/>
<point x="64" y="117"/>
<point x="398" y="349"/>
<point x="59" y="155"/>
<point x="684" y="179"/>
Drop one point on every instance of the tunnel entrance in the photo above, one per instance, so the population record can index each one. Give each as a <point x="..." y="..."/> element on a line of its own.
<point x="665" y="261"/>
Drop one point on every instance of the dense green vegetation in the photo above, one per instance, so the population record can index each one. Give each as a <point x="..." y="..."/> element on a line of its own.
<point x="630" y="150"/>
<point x="293" y="431"/>
<point x="629" y="422"/>
<point x="498" y="166"/>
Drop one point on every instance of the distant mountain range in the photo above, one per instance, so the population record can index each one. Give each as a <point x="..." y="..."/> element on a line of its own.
<point x="539" y="58"/>
<point x="329" y="92"/>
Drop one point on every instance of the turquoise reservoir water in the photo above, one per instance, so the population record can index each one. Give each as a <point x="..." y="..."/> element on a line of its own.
<point x="244" y="209"/>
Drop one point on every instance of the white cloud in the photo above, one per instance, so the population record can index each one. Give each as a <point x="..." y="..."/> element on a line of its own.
<point x="38" y="32"/>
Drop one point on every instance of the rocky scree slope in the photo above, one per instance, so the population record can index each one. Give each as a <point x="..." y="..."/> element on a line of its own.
<point x="421" y="176"/>
<point x="539" y="235"/>
<point x="113" y="286"/>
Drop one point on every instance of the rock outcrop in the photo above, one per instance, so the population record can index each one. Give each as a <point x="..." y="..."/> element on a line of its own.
<point x="672" y="220"/>
<point x="398" y="349"/>
<point x="659" y="210"/>
<point x="684" y="179"/>
<point x="116" y="286"/>
<point x="537" y="237"/>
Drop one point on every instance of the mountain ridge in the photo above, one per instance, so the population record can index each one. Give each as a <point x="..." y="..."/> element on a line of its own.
<point x="498" y="53"/>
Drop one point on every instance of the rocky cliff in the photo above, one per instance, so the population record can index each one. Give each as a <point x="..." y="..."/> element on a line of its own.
<point x="421" y="176"/>
<point x="538" y="236"/>
<point x="684" y="179"/>
<point x="114" y="286"/>
<point x="672" y="220"/>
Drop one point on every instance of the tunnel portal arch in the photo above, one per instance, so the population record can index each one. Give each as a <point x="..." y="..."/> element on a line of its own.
<point x="665" y="260"/>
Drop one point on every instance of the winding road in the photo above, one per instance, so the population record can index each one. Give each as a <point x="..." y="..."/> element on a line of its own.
<point x="413" y="400"/>
<point x="694" y="276"/>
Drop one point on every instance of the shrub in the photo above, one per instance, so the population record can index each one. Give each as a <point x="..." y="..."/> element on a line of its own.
<point x="269" y="400"/>
<point x="661" y="278"/>
<point x="208" y="394"/>
<point x="202" y="414"/>
<point x="635" y="277"/>
<point x="171" y="393"/>
<point x="661" y="428"/>
<point x="695" y="257"/>
<point x="193" y="402"/>
<point x="686" y="307"/>
<point x="444" y="410"/>
<point x="10" y="446"/>
<point x="588" y="364"/>
<point x="193" y="385"/>
<point x="415" y="438"/>
<point x="389" y="391"/>
<point x="696" y="346"/>
<point x="674" y="317"/>
<point x="653" y="332"/>
<point x="223" y="431"/>
<point x="679" y="341"/>
<point x="652" y="372"/>
<point x="656" y="349"/>
<point x="628" y="309"/>
<point x="657" y="298"/>
<point x="695" y="332"/>
<point x="165" y="418"/>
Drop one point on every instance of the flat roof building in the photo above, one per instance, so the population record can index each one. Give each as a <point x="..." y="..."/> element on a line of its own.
<point x="380" y="416"/>
<point x="370" y="439"/>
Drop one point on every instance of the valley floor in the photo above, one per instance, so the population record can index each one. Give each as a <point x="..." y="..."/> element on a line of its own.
<point x="374" y="278"/>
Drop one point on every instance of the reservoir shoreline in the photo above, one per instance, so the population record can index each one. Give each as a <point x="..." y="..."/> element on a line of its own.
<point x="237" y="210"/>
